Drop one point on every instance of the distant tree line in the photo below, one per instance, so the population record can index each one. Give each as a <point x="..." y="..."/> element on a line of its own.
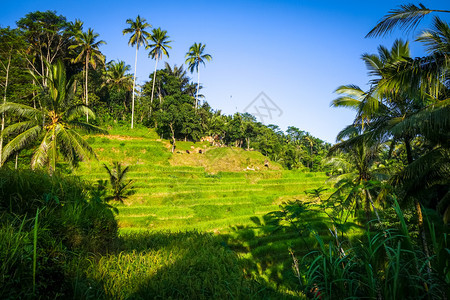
<point x="169" y="101"/>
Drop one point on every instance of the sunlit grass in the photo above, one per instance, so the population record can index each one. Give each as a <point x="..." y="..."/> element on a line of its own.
<point x="182" y="192"/>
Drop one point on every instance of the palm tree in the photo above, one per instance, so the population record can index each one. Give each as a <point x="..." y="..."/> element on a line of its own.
<point x="120" y="189"/>
<point x="54" y="124"/>
<point x="157" y="50"/>
<point x="138" y="37"/>
<point x="359" y="152"/>
<point x="194" y="58"/>
<point x="89" y="52"/>
<point x="117" y="77"/>
<point x="409" y="103"/>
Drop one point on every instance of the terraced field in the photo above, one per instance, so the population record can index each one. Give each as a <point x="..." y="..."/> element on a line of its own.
<point x="176" y="197"/>
<point x="186" y="191"/>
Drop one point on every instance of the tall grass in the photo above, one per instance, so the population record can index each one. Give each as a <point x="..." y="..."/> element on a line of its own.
<point x="46" y="222"/>
<point x="384" y="264"/>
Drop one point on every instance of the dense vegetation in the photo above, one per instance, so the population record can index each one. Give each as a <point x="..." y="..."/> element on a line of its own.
<point x="270" y="226"/>
<point x="169" y="101"/>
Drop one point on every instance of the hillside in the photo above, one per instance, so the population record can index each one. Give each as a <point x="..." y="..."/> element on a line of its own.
<point x="211" y="191"/>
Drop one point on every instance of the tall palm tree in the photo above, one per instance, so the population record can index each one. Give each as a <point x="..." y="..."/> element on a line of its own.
<point x="89" y="53"/>
<point x="138" y="37"/>
<point x="194" y="58"/>
<point x="117" y="77"/>
<point x="54" y="124"/>
<point x="159" y="38"/>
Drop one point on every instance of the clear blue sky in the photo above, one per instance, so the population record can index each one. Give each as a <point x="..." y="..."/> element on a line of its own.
<point x="297" y="52"/>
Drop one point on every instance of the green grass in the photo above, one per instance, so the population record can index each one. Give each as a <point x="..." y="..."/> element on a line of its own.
<point x="179" y="191"/>
<point x="220" y="191"/>
<point x="166" y="265"/>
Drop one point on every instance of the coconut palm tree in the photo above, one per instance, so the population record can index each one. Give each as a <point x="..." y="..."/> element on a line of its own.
<point x="194" y="58"/>
<point x="410" y="104"/>
<point x="138" y="37"/>
<point x="159" y="38"/>
<point x="360" y="153"/>
<point x="55" y="124"/>
<point x="87" y="46"/>
<point x="117" y="77"/>
<point x="120" y="189"/>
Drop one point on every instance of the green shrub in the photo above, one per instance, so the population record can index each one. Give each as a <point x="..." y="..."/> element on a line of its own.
<point x="69" y="223"/>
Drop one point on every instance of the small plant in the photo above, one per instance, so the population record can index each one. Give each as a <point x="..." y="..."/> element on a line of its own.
<point x="120" y="189"/>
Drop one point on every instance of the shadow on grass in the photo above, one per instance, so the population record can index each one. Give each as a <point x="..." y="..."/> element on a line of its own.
<point x="266" y="247"/>
<point x="165" y="265"/>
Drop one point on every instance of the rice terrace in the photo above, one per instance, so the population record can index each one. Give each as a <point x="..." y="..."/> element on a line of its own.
<point x="163" y="180"/>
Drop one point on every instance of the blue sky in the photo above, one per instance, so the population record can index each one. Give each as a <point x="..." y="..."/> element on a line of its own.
<point x="296" y="52"/>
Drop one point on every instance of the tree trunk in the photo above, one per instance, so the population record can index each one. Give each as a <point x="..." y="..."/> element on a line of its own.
<point x="173" y="136"/>
<point x="53" y="154"/>
<point x="153" y="88"/>
<point x="198" y="87"/>
<point x="3" y="114"/>
<point x="418" y="209"/>
<point x="422" y="233"/>
<point x="86" y="95"/>
<point x="408" y="151"/>
<point x="367" y="206"/>
<point x="134" y="84"/>
<point x="17" y="160"/>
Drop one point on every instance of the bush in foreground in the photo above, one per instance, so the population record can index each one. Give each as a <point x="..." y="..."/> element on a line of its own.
<point x="45" y="222"/>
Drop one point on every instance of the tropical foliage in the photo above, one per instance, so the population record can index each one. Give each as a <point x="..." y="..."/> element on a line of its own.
<point x="377" y="229"/>
<point x="54" y="124"/>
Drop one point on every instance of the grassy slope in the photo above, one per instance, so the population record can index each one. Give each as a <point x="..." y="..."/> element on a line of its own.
<point x="221" y="190"/>
<point x="208" y="192"/>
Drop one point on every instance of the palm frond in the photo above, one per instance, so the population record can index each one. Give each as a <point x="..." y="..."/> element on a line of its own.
<point x="72" y="145"/>
<point x="406" y="17"/>
<point x="21" y="141"/>
<point x="77" y="111"/>
<point x="17" y="128"/>
<point x="432" y="122"/>
<point x="429" y="169"/>
<point x="437" y="39"/>
<point x="21" y="110"/>
<point x="41" y="155"/>
<point x="88" y="128"/>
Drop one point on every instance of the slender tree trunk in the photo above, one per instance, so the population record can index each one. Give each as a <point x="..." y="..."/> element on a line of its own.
<point x="418" y="208"/>
<point x="132" y="92"/>
<point x="198" y="87"/>
<point x="408" y="150"/>
<point x="153" y="88"/>
<point x="173" y="136"/>
<point x="3" y="114"/>
<point x="422" y="233"/>
<point x="86" y="95"/>
<point x="53" y="154"/>
<point x="34" y="95"/>
<point x="17" y="160"/>
<point x="367" y="206"/>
